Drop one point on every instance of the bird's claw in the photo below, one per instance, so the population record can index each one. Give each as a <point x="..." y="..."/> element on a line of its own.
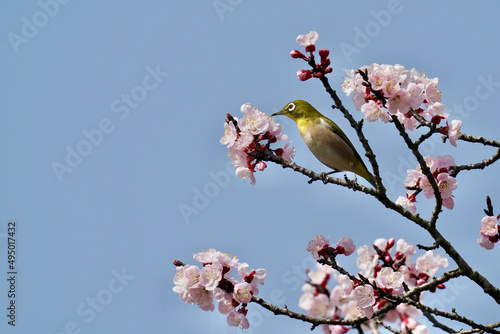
<point x="324" y="176"/>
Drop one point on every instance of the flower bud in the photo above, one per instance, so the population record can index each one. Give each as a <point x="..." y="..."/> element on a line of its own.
<point x="297" y="54"/>
<point x="261" y="165"/>
<point x="310" y="48"/>
<point x="178" y="263"/>
<point x="323" y="53"/>
<point x="387" y="258"/>
<point x="304" y="75"/>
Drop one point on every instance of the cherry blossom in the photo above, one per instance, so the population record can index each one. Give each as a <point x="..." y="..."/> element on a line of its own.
<point x="397" y="91"/>
<point x="307" y="39"/>
<point x="214" y="281"/>
<point x="345" y="246"/>
<point x="316" y="245"/>
<point x="430" y="263"/>
<point x="373" y="111"/>
<point x="453" y="131"/>
<point x="365" y="296"/>
<point x="489" y="232"/>
<point x="440" y="167"/>
<point x="253" y="133"/>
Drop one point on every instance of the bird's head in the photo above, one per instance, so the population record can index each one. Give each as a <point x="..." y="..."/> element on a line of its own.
<point x="298" y="109"/>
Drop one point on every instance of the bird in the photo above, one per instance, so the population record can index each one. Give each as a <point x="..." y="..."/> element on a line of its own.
<point x="325" y="139"/>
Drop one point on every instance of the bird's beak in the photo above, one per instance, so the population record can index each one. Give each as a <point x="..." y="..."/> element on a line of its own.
<point x="281" y="112"/>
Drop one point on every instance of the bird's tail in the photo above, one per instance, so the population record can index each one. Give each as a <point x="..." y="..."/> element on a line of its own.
<point x="362" y="171"/>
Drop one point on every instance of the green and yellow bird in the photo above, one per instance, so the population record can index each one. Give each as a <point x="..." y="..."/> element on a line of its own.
<point x="325" y="139"/>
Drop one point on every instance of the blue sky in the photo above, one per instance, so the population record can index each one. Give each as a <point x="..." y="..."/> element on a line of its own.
<point x="111" y="118"/>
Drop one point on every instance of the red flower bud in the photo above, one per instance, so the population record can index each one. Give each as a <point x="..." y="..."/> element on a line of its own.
<point x="323" y="52"/>
<point x="304" y="75"/>
<point x="310" y="48"/>
<point x="297" y="54"/>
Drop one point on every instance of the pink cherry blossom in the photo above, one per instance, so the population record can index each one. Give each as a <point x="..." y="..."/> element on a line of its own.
<point x="210" y="276"/>
<point x="489" y="226"/>
<point x="437" y="112"/>
<point x="337" y="329"/>
<point x="192" y="274"/>
<point x="389" y="279"/>
<point x="413" y="178"/>
<point x="322" y="273"/>
<point x="244" y="136"/>
<point x="373" y="111"/>
<point x="227" y="260"/>
<point x="405" y="248"/>
<point x="317" y="244"/>
<point x="406" y="203"/>
<point x="449" y="203"/>
<point x="255" y="276"/>
<point x="242" y="293"/>
<point x="346" y="285"/>
<point x="399" y="102"/>
<point x="254" y="121"/>
<point x="430" y="263"/>
<point x="421" y="329"/>
<point x="307" y="39"/>
<point x="237" y="319"/>
<point x="245" y="173"/>
<point x="446" y="185"/>
<point x="407" y="120"/>
<point x="415" y="94"/>
<point x="316" y="305"/>
<point x="441" y="163"/>
<point x="230" y="134"/>
<point x="432" y="93"/>
<point x="454" y="131"/>
<point x="378" y="79"/>
<point x="367" y="260"/>
<point x="365" y="296"/>
<point x="358" y="98"/>
<point x="288" y="152"/>
<point x="203" y="298"/>
<point x="345" y="246"/>
<point x="485" y="242"/>
<point x="225" y="305"/>
<point x="381" y="244"/>
<point x="349" y="85"/>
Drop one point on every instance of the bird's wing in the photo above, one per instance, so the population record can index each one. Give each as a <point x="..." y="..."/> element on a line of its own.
<point x="335" y="128"/>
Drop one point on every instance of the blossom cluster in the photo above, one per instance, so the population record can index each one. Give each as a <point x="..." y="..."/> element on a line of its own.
<point x="489" y="232"/>
<point x="381" y="276"/>
<point x="244" y="136"/>
<point x="416" y="182"/>
<point x="320" y="69"/>
<point x="214" y="281"/>
<point x="320" y="247"/>
<point x="379" y="91"/>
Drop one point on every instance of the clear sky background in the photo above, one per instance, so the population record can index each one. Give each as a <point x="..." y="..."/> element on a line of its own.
<point x="109" y="229"/>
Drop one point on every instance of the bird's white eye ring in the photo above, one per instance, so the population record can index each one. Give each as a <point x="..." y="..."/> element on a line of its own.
<point x="291" y="106"/>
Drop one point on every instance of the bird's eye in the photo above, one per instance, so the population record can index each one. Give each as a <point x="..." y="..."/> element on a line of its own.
<point x="291" y="107"/>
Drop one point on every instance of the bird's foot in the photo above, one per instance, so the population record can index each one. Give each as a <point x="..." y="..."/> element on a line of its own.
<point x="324" y="176"/>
